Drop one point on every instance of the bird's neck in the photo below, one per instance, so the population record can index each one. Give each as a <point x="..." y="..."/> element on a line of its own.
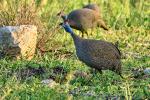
<point x="74" y="36"/>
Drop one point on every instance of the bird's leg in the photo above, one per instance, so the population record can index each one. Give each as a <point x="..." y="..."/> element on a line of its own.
<point x="96" y="70"/>
<point x="84" y="32"/>
<point x="92" y="30"/>
<point x="99" y="71"/>
<point x="117" y="69"/>
<point x="119" y="73"/>
<point x="92" y="70"/>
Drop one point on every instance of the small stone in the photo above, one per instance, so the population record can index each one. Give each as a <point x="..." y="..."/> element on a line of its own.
<point x="147" y="71"/>
<point x="80" y="74"/>
<point x="49" y="82"/>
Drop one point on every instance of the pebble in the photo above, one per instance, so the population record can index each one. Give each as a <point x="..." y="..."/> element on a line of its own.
<point x="49" y="82"/>
<point x="147" y="71"/>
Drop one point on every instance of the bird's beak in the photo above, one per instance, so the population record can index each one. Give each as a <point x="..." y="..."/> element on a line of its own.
<point x="60" y="13"/>
<point x="59" y="26"/>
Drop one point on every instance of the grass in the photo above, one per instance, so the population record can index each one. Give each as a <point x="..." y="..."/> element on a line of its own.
<point x="129" y="21"/>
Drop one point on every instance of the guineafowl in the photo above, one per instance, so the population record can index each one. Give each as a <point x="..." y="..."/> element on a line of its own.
<point x="98" y="54"/>
<point x="100" y="22"/>
<point x="85" y="18"/>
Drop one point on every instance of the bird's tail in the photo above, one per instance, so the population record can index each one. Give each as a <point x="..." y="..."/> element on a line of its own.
<point x="117" y="44"/>
<point x="102" y="24"/>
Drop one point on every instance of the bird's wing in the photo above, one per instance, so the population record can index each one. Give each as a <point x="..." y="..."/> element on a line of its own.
<point x="82" y="17"/>
<point x="99" y="49"/>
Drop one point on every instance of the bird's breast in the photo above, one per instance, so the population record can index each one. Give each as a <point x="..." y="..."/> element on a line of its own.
<point x="83" y="55"/>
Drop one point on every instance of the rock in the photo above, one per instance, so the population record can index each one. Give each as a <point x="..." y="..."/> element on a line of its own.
<point x="137" y="72"/>
<point x="49" y="82"/>
<point x="147" y="71"/>
<point x="141" y="73"/>
<point x="18" y="41"/>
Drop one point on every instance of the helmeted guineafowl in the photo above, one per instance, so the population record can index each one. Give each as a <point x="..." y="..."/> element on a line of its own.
<point x="85" y="18"/>
<point x="98" y="54"/>
<point x="100" y="22"/>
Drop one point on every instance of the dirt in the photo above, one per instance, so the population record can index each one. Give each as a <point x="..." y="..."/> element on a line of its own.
<point x="28" y="72"/>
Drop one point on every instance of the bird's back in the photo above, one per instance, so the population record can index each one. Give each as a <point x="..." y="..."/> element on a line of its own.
<point x="83" y="18"/>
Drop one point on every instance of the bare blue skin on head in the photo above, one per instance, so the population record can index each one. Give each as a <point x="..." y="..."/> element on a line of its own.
<point x="67" y="28"/>
<point x="65" y="17"/>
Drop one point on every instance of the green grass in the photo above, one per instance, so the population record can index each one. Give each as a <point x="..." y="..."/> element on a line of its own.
<point x="129" y="21"/>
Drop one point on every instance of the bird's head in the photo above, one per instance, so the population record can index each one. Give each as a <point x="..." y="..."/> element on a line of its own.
<point x="67" y="27"/>
<point x="62" y="15"/>
<point x="92" y="7"/>
<point x="64" y="18"/>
